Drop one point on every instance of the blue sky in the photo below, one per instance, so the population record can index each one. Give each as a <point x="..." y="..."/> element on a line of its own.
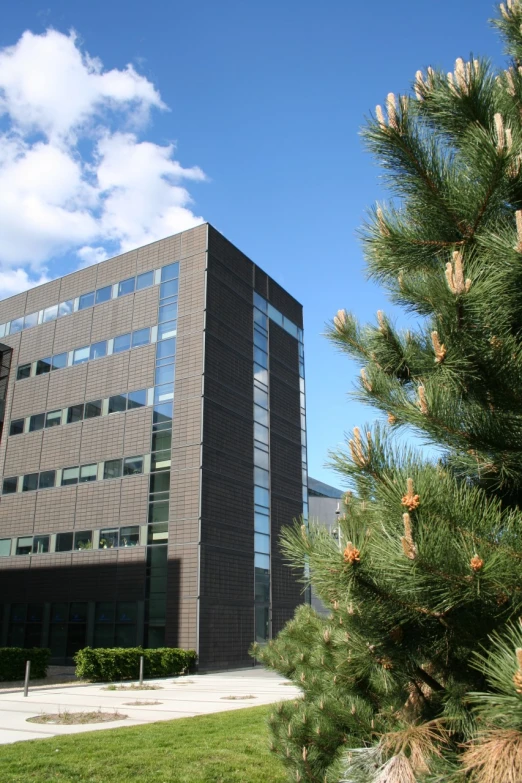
<point x="265" y="102"/>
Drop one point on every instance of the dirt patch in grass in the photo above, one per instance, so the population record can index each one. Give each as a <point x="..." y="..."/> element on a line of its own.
<point x="71" y="718"/>
<point x="239" y="698"/>
<point x="133" y="687"/>
<point x="142" y="703"/>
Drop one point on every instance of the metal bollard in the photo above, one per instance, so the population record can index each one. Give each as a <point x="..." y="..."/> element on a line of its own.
<point x="27" y="675"/>
<point x="141" y="669"/>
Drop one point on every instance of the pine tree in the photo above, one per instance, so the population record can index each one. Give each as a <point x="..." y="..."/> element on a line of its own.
<point x="416" y="674"/>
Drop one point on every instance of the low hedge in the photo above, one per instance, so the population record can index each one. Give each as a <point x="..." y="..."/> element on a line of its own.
<point x="12" y="662"/>
<point x="110" y="664"/>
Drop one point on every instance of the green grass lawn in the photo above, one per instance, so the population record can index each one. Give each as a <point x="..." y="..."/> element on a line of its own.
<point x="228" y="747"/>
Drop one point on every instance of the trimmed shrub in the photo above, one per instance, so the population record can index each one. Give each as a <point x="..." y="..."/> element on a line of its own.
<point x="119" y="663"/>
<point x="12" y="662"/>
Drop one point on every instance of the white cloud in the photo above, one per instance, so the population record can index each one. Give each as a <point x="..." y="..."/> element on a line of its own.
<point x="56" y="102"/>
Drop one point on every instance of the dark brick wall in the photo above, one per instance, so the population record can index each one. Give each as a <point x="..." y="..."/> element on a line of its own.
<point x="285" y="466"/>
<point x="227" y="526"/>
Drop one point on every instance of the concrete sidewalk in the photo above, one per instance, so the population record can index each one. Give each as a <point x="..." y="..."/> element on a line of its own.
<point x="183" y="697"/>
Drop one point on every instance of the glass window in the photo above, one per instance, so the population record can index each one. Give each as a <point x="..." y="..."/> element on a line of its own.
<point x="261" y="458"/>
<point x="88" y="472"/>
<point x="5" y="547"/>
<point x="261" y="561"/>
<point x="92" y="409"/>
<point x="98" y="350"/>
<point x="47" y="479"/>
<point x="137" y="399"/>
<point x="261" y="478"/>
<point x="162" y="414"/>
<point x="74" y="413"/>
<point x="81" y="355"/>
<point x="140" y="337"/>
<point x="161" y="440"/>
<point x="130" y="536"/>
<point x="260" y="374"/>
<point x="169" y="288"/>
<point x="86" y="300"/>
<point x="37" y="422"/>
<point x="103" y="294"/>
<point x="64" y="542"/>
<point x="262" y="623"/>
<point x="10" y="485"/>
<point x="261" y="415"/>
<point x="104" y="612"/>
<point x="166" y="348"/>
<point x="260" y="319"/>
<point x="122" y="343"/>
<point x="262" y="584"/>
<point x="164" y="374"/>
<point x="70" y="476"/>
<point x="83" y="540"/>
<point x="30" y="482"/>
<point x="126" y="286"/>
<point x="17" y="427"/>
<point x="170" y="271"/>
<point x="260" y="397"/>
<point x="159" y="512"/>
<point x="262" y="543"/>
<point x="30" y="320"/>
<point x="24" y="545"/>
<point x="260" y="433"/>
<point x="261" y="522"/>
<point x="40" y="545"/>
<point x="2" y="330"/>
<point x="17" y="324"/>
<point x="158" y="533"/>
<point x="290" y="327"/>
<point x="43" y="366"/>
<point x="53" y="419"/>
<point x="167" y="330"/>
<point x="261" y="497"/>
<point x="161" y="460"/>
<point x="145" y="280"/>
<point x="260" y="340"/>
<point x="132" y="466"/>
<point x="50" y="313"/>
<point x="275" y="315"/>
<point x="65" y="308"/>
<point x="160" y="482"/>
<point x="260" y="357"/>
<point x="118" y="403"/>
<point x="109" y="538"/>
<point x="168" y="312"/>
<point x="59" y="361"/>
<point x="24" y="371"/>
<point x="112" y="469"/>
<point x="164" y="393"/>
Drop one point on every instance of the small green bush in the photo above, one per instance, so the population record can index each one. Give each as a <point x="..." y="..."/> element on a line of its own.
<point x="12" y="662"/>
<point x="110" y="664"/>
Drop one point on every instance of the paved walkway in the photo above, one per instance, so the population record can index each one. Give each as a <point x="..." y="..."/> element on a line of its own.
<point x="183" y="697"/>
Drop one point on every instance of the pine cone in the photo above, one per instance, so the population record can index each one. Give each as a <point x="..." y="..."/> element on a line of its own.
<point x="351" y="554"/>
<point x="517" y="680"/>
<point x="476" y="563"/>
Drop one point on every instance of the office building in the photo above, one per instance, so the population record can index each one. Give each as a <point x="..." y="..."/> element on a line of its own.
<point x="152" y="445"/>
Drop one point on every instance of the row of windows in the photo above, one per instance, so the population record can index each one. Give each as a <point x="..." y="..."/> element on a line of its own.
<point x="78" y="474"/>
<point x="266" y="308"/>
<point x="79" y="540"/>
<point x="86" y="353"/>
<point x="90" y="299"/>
<point x="118" y="403"/>
<point x="261" y="478"/>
